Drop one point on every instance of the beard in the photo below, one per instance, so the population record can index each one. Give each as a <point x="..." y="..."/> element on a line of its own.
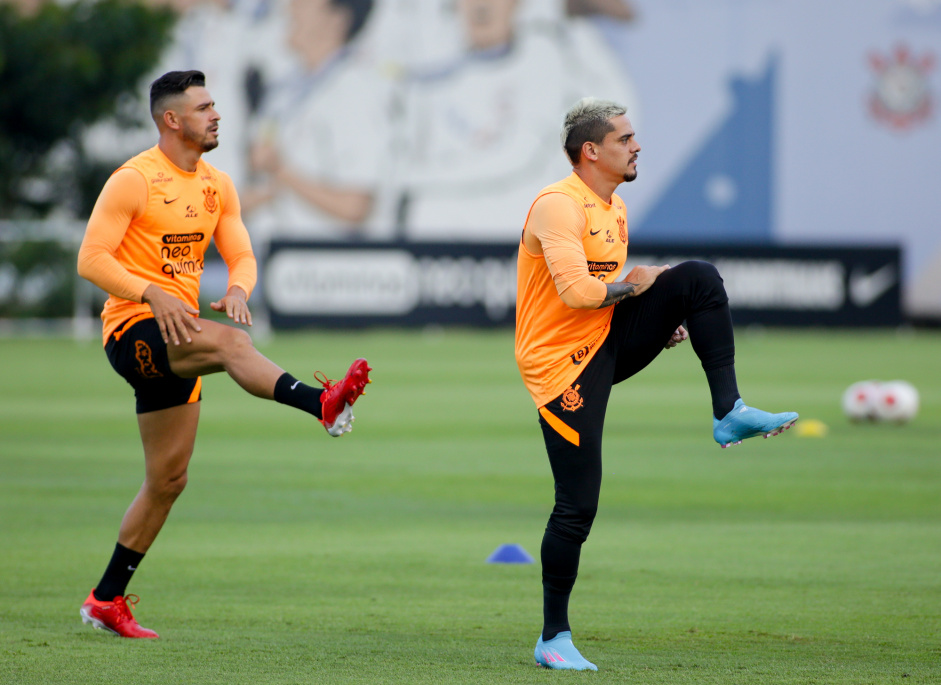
<point x="203" y="142"/>
<point x="630" y="176"/>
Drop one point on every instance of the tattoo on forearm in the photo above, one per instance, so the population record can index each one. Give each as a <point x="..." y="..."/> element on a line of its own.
<point x="617" y="292"/>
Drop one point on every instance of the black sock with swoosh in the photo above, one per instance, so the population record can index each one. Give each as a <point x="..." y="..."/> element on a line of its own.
<point x="114" y="582"/>
<point x="290" y="391"/>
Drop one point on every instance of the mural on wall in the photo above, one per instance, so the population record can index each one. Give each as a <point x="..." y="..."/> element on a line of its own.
<point x="723" y="193"/>
<point x="901" y="95"/>
<point x="437" y="120"/>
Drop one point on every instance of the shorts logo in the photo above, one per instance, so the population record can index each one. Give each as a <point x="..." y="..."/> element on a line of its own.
<point x="571" y="400"/>
<point x="210" y="201"/>
<point x="579" y="357"/>
<point x="581" y="354"/>
<point x="145" y="360"/>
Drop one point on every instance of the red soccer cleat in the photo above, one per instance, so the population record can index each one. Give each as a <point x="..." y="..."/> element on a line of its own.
<point x="114" y="616"/>
<point x="338" y="397"/>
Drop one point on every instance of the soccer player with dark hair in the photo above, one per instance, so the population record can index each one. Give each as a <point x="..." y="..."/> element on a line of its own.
<point x="580" y="330"/>
<point x="145" y="245"/>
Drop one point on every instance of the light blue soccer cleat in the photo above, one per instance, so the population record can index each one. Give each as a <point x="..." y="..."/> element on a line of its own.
<point x="747" y="422"/>
<point x="559" y="653"/>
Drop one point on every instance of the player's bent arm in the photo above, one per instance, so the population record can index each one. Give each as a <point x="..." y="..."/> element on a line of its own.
<point x="617" y="292"/>
<point x="122" y="199"/>
<point x="585" y="294"/>
<point x="232" y="241"/>
<point x="556" y="222"/>
<point x="635" y="283"/>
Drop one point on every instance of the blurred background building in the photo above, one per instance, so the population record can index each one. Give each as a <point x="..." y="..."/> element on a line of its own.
<point x="387" y="151"/>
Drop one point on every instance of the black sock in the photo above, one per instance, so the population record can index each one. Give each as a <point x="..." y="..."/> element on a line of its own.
<point x="114" y="582"/>
<point x="710" y="332"/>
<point x="724" y="389"/>
<point x="555" y="609"/>
<point x="290" y="391"/>
<point x="559" y="558"/>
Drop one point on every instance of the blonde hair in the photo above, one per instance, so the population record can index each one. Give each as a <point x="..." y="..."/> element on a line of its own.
<point x="588" y="120"/>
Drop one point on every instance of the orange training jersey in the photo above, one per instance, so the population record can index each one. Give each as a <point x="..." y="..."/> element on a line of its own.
<point x="558" y="324"/>
<point x="152" y="224"/>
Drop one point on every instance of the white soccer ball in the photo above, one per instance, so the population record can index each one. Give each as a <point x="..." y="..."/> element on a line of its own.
<point x="897" y="402"/>
<point x="860" y="400"/>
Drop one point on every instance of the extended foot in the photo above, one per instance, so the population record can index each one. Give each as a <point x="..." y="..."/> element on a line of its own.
<point x="559" y="653"/>
<point x="338" y="398"/>
<point x="114" y="616"/>
<point x="747" y="422"/>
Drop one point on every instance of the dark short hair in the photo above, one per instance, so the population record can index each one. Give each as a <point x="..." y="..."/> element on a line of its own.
<point x="359" y="13"/>
<point x="170" y="85"/>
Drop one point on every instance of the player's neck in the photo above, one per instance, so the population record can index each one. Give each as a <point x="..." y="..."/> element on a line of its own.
<point x="601" y="187"/>
<point x="180" y="154"/>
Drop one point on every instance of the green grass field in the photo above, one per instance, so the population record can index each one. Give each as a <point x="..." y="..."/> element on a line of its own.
<point x="296" y="558"/>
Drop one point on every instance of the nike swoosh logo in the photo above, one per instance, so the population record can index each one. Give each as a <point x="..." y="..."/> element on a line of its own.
<point x="131" y="568"/>
<point x="591" y="232"/>
<point x="166" y="201"/>
<point x="867" y="288"/>
<point x="295" y="384"/>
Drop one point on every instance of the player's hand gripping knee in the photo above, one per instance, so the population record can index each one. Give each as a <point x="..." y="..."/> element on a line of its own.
<point x="679" y="335"/>
<point x="235" y="306"/>
<point x="636" y="282"/>
<point x="643" y="276"/>
<point x="173" y="316"/>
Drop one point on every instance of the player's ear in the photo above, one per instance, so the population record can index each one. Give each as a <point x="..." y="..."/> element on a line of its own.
<point x="590" y="150"/>
<point x="171" y="120"/>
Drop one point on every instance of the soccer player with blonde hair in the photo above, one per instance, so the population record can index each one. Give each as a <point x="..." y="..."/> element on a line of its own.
<point x="581" y="328"/>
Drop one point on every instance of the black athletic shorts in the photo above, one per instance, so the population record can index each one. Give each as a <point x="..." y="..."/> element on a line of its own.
<point x="137" y="352"/>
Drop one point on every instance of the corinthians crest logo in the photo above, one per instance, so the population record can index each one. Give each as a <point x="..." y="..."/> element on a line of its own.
<point x="900" y="97"/>
<point x="210" y="199"/>
<point x="622" y="229"/>
<point x="571" y="400"/>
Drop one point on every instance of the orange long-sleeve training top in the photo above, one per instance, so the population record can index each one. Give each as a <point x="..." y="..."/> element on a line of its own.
<point x="152" y="224"/>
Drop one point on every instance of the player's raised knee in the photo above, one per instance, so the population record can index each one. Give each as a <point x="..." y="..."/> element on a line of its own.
<point x="236" y="337"/>
<point x="227" y="341"/>
<point x="700" y="270"/>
